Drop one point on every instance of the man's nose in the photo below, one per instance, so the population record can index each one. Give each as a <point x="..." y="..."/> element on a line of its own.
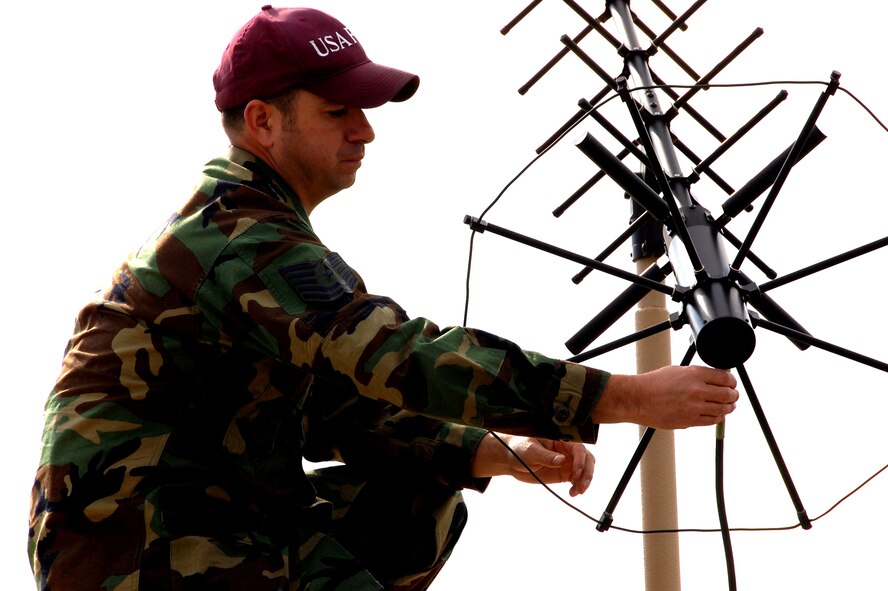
<point x="360" y="130"/>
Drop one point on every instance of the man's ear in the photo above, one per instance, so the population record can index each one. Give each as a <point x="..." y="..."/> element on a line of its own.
<point x="262" y="120"/>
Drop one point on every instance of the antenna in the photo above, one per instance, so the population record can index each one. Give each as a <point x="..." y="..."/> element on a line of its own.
<point x="719" y="302"/>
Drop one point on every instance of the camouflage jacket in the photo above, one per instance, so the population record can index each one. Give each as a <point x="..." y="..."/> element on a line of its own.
<point x="231" y="346"/>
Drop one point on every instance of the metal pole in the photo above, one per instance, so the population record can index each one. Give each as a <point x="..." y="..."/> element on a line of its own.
<point x="659" y="504"/>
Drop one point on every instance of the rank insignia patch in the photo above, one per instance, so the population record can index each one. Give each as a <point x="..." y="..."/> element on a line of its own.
<point x="322" y="280"/>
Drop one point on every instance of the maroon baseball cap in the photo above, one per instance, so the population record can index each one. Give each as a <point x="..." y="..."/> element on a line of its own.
<point x="284" y="48"/>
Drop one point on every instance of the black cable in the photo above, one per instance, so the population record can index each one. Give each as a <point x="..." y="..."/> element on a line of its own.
<point x="506" y="188"/>
<point x="481" y="217"/>
<point x="720" y="503"/>
<point x="864" y="107"/>
<point x="707" y="86"/>
<point x="699" y="530"/>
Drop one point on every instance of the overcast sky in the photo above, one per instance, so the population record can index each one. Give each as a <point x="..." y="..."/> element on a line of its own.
<point x="109" y="118"/>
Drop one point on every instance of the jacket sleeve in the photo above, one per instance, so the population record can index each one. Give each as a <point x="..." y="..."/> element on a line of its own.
<point x="377" y="439"/>
<point x="293" y="299"/>
<point x="412" y="443"/>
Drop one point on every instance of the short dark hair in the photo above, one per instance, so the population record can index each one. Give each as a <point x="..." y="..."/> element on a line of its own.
<point x="233" y="119"/>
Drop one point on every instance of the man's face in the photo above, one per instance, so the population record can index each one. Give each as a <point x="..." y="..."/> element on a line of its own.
<point x="320" y="146"/>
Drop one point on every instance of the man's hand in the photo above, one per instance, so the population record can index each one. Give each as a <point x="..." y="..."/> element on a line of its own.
<point x="669" y="398"/>
<point x="552" y="461"/>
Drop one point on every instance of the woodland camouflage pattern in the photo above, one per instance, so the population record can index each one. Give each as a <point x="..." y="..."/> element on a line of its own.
<point x="226" y="349"/>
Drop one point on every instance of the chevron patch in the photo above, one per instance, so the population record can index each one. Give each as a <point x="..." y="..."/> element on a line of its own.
<point x="322" y="280"/>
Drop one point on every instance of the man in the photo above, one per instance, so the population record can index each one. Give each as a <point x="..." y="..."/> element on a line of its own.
<point x="234" y="344"/>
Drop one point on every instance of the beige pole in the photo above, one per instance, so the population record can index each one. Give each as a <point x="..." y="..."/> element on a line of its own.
<point x="659" y="504"/>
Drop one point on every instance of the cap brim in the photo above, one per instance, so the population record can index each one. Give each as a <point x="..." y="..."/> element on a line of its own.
<point x="366" y="86"/>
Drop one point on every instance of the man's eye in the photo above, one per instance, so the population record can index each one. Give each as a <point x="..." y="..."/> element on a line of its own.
<point x="338" y="112"/>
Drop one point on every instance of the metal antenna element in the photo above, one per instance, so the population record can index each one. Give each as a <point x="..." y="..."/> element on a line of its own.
<point x="719" y="302"/>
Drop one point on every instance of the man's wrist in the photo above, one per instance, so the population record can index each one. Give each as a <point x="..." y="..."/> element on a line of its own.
<point x="489" y="457"/>
<point x="618" y="402"/>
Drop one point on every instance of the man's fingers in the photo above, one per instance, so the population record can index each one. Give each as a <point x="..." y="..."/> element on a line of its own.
<point x="721" y="412"/>
<point x="717" y="377"/>
<point x="583" y="469"/>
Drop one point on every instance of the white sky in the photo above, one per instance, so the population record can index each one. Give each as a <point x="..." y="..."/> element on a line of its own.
<point x="109" y="117"/>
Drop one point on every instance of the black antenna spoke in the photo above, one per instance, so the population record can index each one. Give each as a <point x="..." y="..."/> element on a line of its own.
<point x="772" y="445"/>
<point x="627" y="233"/>
<point x="524" y="88"/>
<point x="825" y="264"/>
<point x="753" y="189"/>
<point x="820" y="344"/>
<point x="704" y="165"/>
<point x="483" y="226"/>
<point x="674" y="323"/>
<point x="791" y="159"/>
<point x="520" y="16"/>
<point x="703" y="83"/>
<point x="696" y="160"/>
<point x="607" y="517"/>
<point x="616" y="309"/>
<point x="677" y="23"/>
<point x="755" y="260"/>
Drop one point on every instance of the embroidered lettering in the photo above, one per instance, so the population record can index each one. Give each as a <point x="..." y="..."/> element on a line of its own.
<point x="328" y="44"/>
<point x="343" y="42"/>
<point x="318" y="51"/>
